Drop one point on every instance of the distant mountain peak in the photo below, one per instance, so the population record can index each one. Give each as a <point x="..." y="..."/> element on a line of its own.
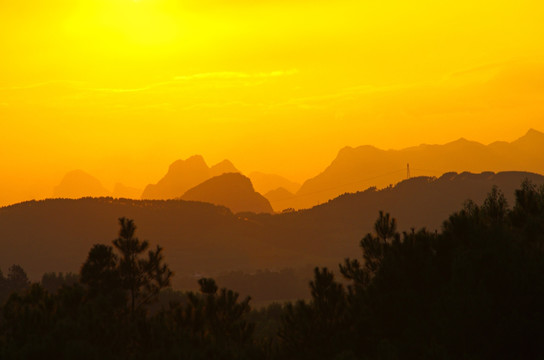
<point x="223" y="167"/>
<point x="281" y="191"/>
<point x="533" y="133"/>
<point x="78" y="183"/>
<point x="225" y="162"/>
<point x="348" y="152"/>
<point x="532" y="137"/>
<point x="279" y="198"/>
<point x="464" y="141"/>
<point x="264" y="182"/>
<point x="183" y="175"/>
<point x="345" y="149"/>
<point x="195" y="160"/>
<point x="349" y="149"/>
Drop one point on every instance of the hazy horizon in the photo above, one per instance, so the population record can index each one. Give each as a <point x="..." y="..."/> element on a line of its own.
<point x="109" y="183"/>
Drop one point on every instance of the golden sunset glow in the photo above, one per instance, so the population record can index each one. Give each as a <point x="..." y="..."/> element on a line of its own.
<point x="122" y="88"/>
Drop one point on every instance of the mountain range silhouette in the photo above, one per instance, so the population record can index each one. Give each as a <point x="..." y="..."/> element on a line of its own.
<point x="183" y="175"/>
<point x="352" y="170"/>
<point x="357" y="168"/>
<point x="56" y="234"/>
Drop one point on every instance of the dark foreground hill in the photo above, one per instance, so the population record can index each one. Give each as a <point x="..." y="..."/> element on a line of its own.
<point x="232" y="190"/>
<point x="200" y="238"/>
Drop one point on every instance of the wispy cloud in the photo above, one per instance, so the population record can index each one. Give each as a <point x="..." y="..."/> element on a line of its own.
<point x="224" y="76"/>
<point x="228" y="75"/>
<point x="482" y="68"/>
<point x="44" y="84"/>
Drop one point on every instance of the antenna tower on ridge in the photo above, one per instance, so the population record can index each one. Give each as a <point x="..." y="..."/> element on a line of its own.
<point x="408" y="170"/>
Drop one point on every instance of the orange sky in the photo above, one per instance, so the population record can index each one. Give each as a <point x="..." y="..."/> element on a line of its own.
<point x="122" y="88"/>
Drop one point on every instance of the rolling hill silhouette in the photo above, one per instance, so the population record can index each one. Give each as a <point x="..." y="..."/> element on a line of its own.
<point x="279" y="197"/>
<point x="77" y="183"/>
<point x="357" y="168"/>
<point x="232" y="190"/>
<point x="265" y="183"/>
<point x="56" y="234"/>
<point x="183" y="175"/>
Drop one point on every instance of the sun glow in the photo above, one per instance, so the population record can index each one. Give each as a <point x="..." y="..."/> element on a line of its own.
<point x="127" y="23"/>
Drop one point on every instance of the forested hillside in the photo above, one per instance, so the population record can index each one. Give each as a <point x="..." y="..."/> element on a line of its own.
<point x="473" y="290"/>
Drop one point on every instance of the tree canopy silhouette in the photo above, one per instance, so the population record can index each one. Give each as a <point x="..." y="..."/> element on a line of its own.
<point x="142" y="277"/>
<point x="472" y="291"/>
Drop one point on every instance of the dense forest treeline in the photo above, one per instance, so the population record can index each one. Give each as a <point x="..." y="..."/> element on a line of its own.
<point x="473" y="290"/>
